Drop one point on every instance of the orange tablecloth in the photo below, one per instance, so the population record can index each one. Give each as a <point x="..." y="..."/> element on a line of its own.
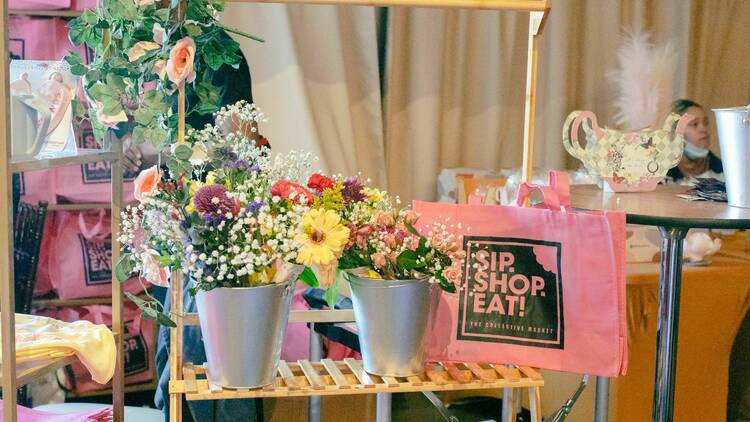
<point x="713" y="303"/>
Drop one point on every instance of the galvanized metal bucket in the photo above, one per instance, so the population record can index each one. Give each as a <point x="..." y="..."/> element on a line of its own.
<point x="243" y="329"/>
<point x="392" y="318"/>
<point x="734" y="137"/>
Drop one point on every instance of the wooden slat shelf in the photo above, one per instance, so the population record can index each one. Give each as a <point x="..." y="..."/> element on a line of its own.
<point x="54" y="302"/>
<point x="132" y="388"/>
<point x="296" y="316"/>
<point x="45" y="13"/>
<point x="79" y="206"/>
<point x="19" y="164"/>
<point x="327" y="378"/>
<point x="28" y="372"/>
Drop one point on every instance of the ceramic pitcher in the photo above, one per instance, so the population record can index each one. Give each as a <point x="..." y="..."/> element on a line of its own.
<point x="628" y="161"/>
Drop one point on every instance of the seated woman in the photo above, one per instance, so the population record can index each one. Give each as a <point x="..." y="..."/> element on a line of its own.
<point x="697" y="159"/>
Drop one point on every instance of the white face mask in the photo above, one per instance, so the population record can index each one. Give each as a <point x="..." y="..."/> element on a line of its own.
<point x="693" y="152"/>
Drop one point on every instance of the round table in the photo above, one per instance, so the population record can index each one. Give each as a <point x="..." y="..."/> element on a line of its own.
<point x="674" y="216"/>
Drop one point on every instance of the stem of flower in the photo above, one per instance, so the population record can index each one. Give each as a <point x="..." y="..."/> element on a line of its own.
<point x="240" y="33"/>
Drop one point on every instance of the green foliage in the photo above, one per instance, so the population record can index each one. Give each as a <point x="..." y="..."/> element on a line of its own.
<point x="308" y="277"/>
<point x="140" y="88"/>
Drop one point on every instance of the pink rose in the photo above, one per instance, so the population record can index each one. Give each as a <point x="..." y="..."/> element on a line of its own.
<point x="390" y="241"/>
<point x="180" y="63"/>
<point x="146" y="183"/>
<point x="385" y="219"/>
<point x="411" y="217"/>
<point x="437" y="241"/>
<point x="378" y="260"/>
<point x="140" y="49"/>
<point x="160" y="35"/>
<point x="108" y="120"/>
<point x="452" y="274"/>
<point x="153" y="273"/>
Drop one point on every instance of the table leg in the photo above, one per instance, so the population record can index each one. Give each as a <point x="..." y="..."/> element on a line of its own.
<point x="316" y="354"/>
<point x="669" y="316"/>
<point x="383" y="407"/>
<point x="601" y="406"/>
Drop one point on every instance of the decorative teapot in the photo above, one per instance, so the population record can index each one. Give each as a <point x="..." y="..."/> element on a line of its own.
<point x="628" y="161"/>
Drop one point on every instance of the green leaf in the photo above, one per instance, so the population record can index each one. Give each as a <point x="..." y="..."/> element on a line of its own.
<point x="407" y="260"/>
<point x="332" y="293"/>
<point x="90" y="17"/>
<point x="164" y="320"/>
<point x="81" y="32"/>
<point x="138" y="301"/>
<point x="308" y="277"/>
<point x="196" y="238"/>
<point x="164" y="261"/>
<point x="162" y="14"/>
<point x="193" y="30"/>
<point x="124" y="9"/>
<point x="183" y="152"/>
<point x="124" y="267"/>
<point x="150" y="313"/>
<point x="77" y="67"/>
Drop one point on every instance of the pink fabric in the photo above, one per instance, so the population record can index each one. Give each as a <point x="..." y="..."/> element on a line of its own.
<point x="30" y="415"/>
<point x="297" y="336"/>
<point x="540" y="287"/>
<point x="138" y="344"/>
<point x="82" y="4"/>
<point x="32" y="38"/>
<point x="89" y="182"/>
<point x="37" y="185"/>
<point x="80" y="256"/>
<point x="39" y="4"/>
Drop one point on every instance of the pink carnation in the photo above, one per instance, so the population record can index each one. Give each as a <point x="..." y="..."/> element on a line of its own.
<point x="213" y="199"/>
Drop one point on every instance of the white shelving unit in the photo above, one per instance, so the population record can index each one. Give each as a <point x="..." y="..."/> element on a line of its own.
<point x="13" y="376"/>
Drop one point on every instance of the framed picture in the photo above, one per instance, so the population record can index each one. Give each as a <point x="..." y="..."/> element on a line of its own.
<point x="42" y="95"/>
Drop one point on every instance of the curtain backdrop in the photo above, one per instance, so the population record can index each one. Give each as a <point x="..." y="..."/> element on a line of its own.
<point x="454" y="80"/>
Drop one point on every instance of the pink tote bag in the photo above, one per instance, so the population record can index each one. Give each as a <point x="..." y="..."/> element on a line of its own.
<point x="541" y="286"/>
<point x="80" y="258"/>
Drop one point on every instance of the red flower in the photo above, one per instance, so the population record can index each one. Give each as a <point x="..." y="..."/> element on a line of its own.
<point x="285" y="188"/>
<point x="319" y="182"/>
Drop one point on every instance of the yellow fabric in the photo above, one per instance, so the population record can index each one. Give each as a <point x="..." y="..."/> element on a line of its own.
<point x="713" y="303"/>
<point x="40" y="337"/>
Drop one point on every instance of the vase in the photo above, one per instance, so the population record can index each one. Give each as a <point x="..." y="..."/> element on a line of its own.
<point x="243" y="329"/>
<point x="392" y="318"/>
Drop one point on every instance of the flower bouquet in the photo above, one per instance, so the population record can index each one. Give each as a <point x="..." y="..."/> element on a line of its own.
<point x="237" y="224"/>
<point x="392" y="268"/>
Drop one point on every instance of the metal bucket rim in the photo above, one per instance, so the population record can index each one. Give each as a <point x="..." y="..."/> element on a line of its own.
<point x="377" y="283"/>
<point x="269" y="285"/>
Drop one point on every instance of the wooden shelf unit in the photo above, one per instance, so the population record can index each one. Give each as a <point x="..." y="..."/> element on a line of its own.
<point x="45" y="13"/>
<point x="327" y="378"/>
<point x="29" y="371"/>
<point x="13" y="378"/>
<point x="187" y="381"/>
<point x="19" y="164"/>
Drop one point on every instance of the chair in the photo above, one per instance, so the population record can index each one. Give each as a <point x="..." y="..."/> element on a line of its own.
<point x="27" y="239"/>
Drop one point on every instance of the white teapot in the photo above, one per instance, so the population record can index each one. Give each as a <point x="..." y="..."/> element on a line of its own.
<point x="628" y="161"/>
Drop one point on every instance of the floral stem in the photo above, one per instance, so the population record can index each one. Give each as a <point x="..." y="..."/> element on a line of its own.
<point x="240" y="33"/>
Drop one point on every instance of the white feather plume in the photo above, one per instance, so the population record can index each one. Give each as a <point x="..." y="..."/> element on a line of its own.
<point x="643" y="81"/>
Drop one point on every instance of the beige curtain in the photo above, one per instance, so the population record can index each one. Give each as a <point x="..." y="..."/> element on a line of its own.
<point x="719" y="59"/>
<point x="456" y="80"/>
<point x="317" y="79"/>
